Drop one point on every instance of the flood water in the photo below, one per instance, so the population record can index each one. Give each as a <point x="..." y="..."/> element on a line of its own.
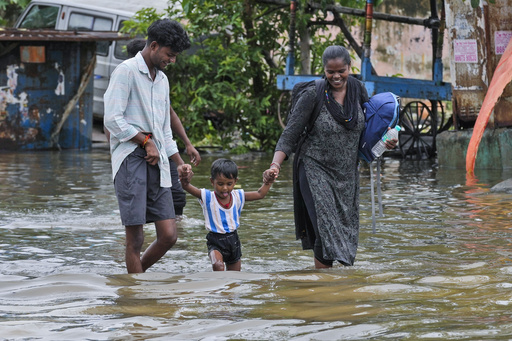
<point x="439" y="266"/>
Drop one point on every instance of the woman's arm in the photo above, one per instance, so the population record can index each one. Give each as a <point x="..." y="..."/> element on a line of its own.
<point x="275" y="167"/>
<point x="297" y="121"/>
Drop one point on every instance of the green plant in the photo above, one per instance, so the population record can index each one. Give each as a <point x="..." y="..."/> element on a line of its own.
<point x="228" y="77"/>
<point x="476" y="3"/>
<point x="10" y="10"/>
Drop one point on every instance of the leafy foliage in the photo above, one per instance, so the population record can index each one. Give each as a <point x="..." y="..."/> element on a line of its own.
<point x="10" y="10"/>
<point x="225" y="85"/>
<point x="476" y="3"/>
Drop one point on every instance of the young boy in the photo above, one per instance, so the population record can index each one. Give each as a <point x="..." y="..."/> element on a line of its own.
<point x="222" y="208"/>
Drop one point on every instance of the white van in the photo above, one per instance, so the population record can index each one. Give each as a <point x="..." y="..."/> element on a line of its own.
<point x="89" y="15"/>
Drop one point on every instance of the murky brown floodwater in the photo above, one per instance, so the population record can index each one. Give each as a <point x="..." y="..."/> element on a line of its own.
<point x="438" y="268"/>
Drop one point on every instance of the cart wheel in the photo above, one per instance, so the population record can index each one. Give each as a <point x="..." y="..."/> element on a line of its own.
<point x="439" y="114"/>
<point x="419" y="128"/>
<point x="283" y="107"/>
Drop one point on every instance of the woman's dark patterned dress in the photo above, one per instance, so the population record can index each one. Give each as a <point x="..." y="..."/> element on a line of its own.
<point x="330" y="159"/>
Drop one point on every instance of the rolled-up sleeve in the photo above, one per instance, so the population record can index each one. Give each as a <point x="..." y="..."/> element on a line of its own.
<point x="116" y="101"/>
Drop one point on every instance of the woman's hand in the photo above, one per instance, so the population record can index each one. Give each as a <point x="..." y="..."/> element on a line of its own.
<point x="391" y="144"/>
<point x="270" y="175"/>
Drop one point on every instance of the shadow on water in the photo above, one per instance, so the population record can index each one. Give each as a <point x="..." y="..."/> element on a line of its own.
<point x="438" y="267"/>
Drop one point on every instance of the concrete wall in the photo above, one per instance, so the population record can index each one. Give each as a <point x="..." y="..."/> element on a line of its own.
<point x="494" y="152"/>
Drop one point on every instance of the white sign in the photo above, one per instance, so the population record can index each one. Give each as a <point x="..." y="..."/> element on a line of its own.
<point x="465" y="51"/>
<point x="501" y="39"/>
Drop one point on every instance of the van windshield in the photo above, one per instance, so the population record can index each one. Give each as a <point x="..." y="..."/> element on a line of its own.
<point x="40" y="16"/>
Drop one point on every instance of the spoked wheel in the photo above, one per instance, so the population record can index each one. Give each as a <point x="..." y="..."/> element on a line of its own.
<point x="438" y="112"/>
<point x="283" y="107"/>
<point x="419" y="129"/>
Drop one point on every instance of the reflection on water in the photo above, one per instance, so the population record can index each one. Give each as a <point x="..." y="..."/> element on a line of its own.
<point x="439" y="266"/>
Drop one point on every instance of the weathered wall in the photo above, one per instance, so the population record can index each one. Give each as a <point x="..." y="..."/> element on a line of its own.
<point x="402" y="49"/>
<point x="37" y="80"/>
<point x="478" y="37"/>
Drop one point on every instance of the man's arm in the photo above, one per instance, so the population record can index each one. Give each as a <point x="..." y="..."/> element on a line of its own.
<point x="115" y="101"/>
<point x="179" y="130"/>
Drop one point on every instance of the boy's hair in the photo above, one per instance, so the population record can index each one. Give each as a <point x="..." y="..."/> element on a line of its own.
<point x="134" y="46"/>
<point x="168" y="33"/>
<point x="225" y="167"/>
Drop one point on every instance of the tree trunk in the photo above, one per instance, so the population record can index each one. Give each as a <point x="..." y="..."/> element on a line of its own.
<point x="305" y="48"/>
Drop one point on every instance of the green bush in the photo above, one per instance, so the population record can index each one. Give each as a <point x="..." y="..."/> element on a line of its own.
<point x="228" y="77"/>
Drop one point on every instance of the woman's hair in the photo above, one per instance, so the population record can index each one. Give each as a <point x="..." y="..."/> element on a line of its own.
<point x="334" y="52"/>
<point x="168" y="33"/>
<point x="224" y="167"/>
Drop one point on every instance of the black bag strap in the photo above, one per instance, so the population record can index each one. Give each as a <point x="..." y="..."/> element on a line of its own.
<point x="320" y="88"/>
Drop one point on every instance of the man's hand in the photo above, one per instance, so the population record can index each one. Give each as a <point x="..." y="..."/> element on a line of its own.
<point x="195" y="157"/>
<point x="152" y="155"/>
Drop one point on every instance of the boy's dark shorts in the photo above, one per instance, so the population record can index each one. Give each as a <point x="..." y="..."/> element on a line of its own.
<point x="140" y="197"/>
<point x="227" y="244"/>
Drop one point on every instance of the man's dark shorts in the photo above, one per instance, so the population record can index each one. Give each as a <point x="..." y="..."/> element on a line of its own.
<point x="140" y="197"/>
<point x="227" y="244"/>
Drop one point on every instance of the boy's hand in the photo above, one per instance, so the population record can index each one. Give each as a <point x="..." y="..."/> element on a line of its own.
<point x="185" y="173"/>
<point x="269" y="176"/>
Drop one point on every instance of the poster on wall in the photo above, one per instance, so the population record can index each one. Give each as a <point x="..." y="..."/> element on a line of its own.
<point x="465" y="51"/>
<point x="501" y="39"/>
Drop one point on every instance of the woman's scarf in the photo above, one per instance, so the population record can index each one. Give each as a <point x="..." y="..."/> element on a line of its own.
<point x="345" y="114"/>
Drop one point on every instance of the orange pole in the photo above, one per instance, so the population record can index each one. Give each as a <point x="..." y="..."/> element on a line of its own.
<point x="502" y="76"/>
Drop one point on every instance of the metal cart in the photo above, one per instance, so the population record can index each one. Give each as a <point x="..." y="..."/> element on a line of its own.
<point x="420" y="121"/>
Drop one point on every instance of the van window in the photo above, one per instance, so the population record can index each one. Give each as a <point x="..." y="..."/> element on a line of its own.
<point x="40" y="16"/>
<point x="120" y="50"/>
<point x="85" y="22"/>
<point x="120" y="45"/>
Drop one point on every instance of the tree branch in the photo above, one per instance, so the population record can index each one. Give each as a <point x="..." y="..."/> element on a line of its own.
<point x="428" y="22"/>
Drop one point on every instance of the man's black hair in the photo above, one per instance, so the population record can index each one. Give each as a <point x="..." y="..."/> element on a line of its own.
<point x="135" y="46"/>
<point x="169" y="33"/>
<point x="226" y="167"/>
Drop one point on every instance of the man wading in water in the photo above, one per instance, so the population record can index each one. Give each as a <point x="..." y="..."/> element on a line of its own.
<point x="138" y="119"/>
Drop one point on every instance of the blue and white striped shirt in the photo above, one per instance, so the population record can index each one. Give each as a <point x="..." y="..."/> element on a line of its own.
<point x="135" y="103"/>
<point x="217" y="218"/>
